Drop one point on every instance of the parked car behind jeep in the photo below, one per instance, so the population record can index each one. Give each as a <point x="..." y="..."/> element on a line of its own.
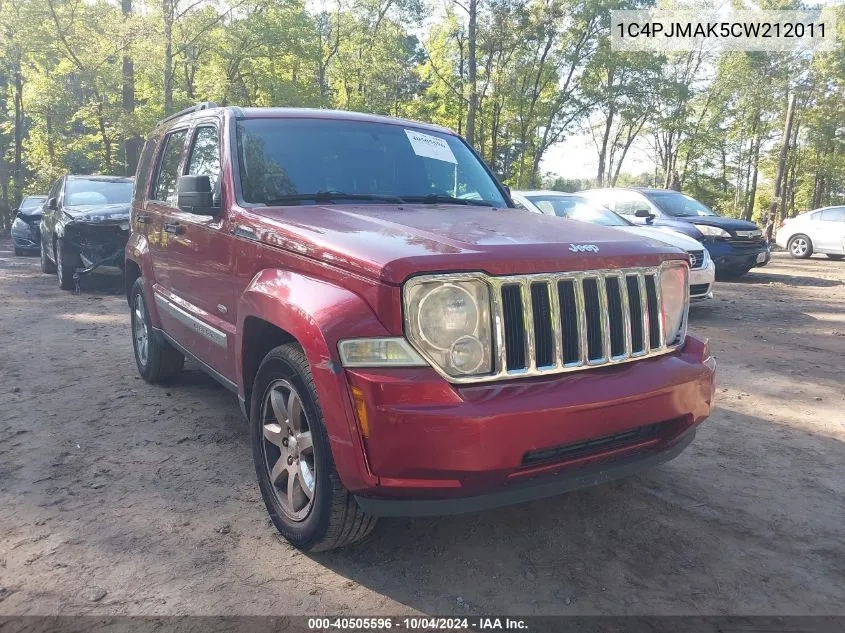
<point x="401" y="339"/>
<point x="735" y="246"/>
<point x="574" y="207"/>
<point x="85" y="226"/>
<point x="26" y="232"/>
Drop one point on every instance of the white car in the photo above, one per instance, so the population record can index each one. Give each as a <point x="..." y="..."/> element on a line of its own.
<point x="819" y="231"/>
<point x="574" y="207"/>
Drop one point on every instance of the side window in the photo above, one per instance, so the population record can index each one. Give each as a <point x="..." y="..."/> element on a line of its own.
<point x="142" y="177"/>
<point x="205" y="157"/>
<point x="836" y="214"/>
<point x="168" y="167"/>
<point x="628" y="203"/>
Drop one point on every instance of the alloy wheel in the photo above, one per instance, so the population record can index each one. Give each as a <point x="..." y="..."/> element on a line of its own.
<point x="799" y="247"/>
<point x="288" y="449"/>
<point x="140" y="330"/>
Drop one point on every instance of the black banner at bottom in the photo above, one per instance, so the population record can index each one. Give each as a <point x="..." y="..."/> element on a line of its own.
<point x="379" y="624"/>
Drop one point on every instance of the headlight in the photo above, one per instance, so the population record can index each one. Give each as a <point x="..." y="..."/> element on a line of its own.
<point x="674" y="292"/>
<point x="448" y="321"/>
<point x="378" y="352"/>
<point x="712" y="231"/>
<point x="20" y="226"/>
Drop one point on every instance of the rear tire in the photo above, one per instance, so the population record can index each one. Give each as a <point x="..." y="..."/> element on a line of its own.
<point x="836" y="258"/>
<point x="47" y="267"/>
<point x="66" y="263"/>
<point x="156" y="358"/>
<point x="293" y="460"/>
<point x="800" y="246"/>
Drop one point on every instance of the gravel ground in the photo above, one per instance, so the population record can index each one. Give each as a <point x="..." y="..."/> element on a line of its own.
<point x="120" y="497"/>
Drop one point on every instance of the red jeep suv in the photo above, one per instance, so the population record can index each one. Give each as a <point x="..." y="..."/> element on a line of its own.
<point x="401" y="339"/>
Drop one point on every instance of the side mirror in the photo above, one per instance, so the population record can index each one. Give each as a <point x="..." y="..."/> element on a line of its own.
<point x="644" y="213"/>
<point x="52" y="204"/>
<point x="194" y="195"/>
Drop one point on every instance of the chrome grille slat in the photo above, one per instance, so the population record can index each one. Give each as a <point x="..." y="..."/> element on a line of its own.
<point x="626" y="314"/>
<point x="558" y="313"/>
<point x="557" y="327"/>
<point x="528" y="319"/>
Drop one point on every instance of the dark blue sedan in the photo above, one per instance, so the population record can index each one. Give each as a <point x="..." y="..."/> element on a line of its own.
<point x="735" y="246"/>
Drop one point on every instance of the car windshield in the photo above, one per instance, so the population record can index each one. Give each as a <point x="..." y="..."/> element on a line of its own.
<point x="80" y="191"/>
<point x="577" y="208"/>
<point x="32" y="203"/>
<point x="290" y="161"/>
<point x="678" y="205"/>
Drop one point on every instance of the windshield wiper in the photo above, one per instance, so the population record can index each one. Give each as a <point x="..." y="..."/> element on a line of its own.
<point x="436" y="198"/>
<point x="331" y="196"/>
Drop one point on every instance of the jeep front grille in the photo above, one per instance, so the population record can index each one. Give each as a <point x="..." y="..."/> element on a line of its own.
<point x="553" y="323"/>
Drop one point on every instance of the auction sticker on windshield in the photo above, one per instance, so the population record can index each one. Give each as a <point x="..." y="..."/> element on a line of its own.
<point x="430" y="146"/>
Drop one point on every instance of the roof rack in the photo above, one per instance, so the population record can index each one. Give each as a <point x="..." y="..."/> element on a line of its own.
<point x="205" y="105"/>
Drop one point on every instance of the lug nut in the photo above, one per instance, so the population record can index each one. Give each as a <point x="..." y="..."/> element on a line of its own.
<point x="285" y="441"/>
<point x="290" y="460"/>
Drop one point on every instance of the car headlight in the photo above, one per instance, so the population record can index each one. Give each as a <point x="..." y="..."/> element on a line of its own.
<point x="448" y="322"/>
<point x="674" y="292"/>
<point x="20" y="226"/>
<point x="712" y="231"/>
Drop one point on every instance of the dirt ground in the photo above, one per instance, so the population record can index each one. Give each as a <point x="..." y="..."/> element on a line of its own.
<point x="118" y="497"/>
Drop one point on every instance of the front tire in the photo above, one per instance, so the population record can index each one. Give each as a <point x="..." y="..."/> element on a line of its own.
<point x="66" y="262"/>
<point x="156" y="358"/>
<point x="293" y="461"/>
<point x="800" y="246"/>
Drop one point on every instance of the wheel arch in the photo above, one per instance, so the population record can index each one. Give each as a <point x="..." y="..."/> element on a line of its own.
<point x="281" y="306"/>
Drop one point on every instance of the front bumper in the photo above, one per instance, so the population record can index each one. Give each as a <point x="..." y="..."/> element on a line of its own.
<point x="497" y="443"/>
<point x="701" y="282"/>
<point x="737" y="255"/>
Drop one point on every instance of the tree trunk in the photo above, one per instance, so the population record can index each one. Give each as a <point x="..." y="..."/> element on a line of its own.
<point x="749" y="207"/>
<point x="471" y="72"/>
<point x="131" y="142"/>
<point x="600" y="175"/>
<point x="169" y="11"/>
<point x="784" y="149"/>
<point x="17" y="189"/>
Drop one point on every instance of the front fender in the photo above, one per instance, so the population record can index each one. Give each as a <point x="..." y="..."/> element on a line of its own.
<point x="317" y="314"/>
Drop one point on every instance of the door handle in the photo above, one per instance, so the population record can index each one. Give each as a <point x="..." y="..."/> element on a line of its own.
<point x="142" y="219"/>
<point x="175" y="228"/>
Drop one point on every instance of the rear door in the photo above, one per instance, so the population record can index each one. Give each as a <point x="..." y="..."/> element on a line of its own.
<point x="201" y="262"/>
<point x="162" y="202"/>
<point x="830" y="230"/>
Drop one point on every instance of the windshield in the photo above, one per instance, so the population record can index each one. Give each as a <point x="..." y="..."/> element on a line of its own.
<point x="283" y="159"/>
<point x="32" y="203"/>
<point x="81" y="192"/>
<point x="678" y="204"/>
<point x="576" y="208"/>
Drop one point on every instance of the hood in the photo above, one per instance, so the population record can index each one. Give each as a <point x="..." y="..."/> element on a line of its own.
<point x="665" y="234"/>
<point x="99" y="212"/>
<point x="394" y="242"/>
